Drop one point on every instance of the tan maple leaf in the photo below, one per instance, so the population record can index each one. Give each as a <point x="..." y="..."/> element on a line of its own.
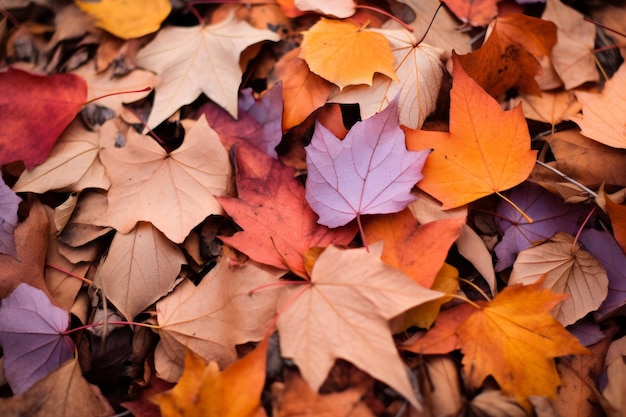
<point x="344" y="312"/>
<point x="174" y="191"/>
<point x="198" y="59"/>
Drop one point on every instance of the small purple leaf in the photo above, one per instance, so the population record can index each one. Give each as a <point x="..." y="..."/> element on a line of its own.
<point x="369" y="172"/>
<point x="549" y="213"/>
<point x="9" y="203"/>
<point x="31" y="335"/>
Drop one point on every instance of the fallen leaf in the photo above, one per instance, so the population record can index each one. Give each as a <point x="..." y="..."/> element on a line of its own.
<point x="50" y="102"/>
<point x="615" y="369"/>
<point x="368" y="172"/>
<point x="343" y="312"/>
<point x="493" y="403"/>
<point x="518" y="342"/>
<point x="573" y="54"/>
<point x="417" y="250"/>
<point x="441" y="386"/>
<point x="468" y="163"/>
<point x="139" y="268"/>
<point x="127" y="19"/>
<point x="617" y="214"/>
<point x="303" y="90"/>
<point x="474" y="12"/>
<point x="9" y="203"/>
<point x="213" y="317"/>
<point x="510" y="55"/>
<point x="259" y="122"/>
<point x="278" y="225"/>
<point x="297" y="399"/>
<point x="550" y="215"/>
<point x="419" y="71"/>
<point x="443" y="33"/>
<point x="550" y="107"/>
<point x="603" y="247"/>
<point x="174" y="191"/>
<point x="198" y="59"/>
<point x="568" y="270"/>
<point x="31" y="243"/>
<point x="73" y="163"/>
<point x="62" y="393"/>
<point x="337" y="8"/>
<point x="599" y="120"/>
<point x="345" y="53"/>
<point x="31" y="335"/>
<point x="205" y="391"/>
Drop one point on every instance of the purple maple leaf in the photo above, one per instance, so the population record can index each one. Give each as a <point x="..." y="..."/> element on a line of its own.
<point x="604" y="248"/>
<point x="549" y="213"/>
<point x="31" y="335"/>
<point x="369" y="172"/>
<point x="9" y="203"/>
<point x="259" y="122"/>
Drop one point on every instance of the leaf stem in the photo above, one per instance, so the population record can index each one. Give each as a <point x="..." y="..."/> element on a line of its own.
<point x="10" y="17"/>
<point x="429" y="24"/>
<point x="465" y="299"/>
<point x="358" y="222"/>
<point x="130" y="323"/>
<point x="143" y="123"/>
<point x="118" y="93"/>
<point x="569" y="179"/>
<point x="582" y="226"/>
<point x="476" y="287"/>
<point x="516" y="207"/>
<point x="595" y="22"/>
<point x="85" y="280"/>
<point x="377" y="10"/>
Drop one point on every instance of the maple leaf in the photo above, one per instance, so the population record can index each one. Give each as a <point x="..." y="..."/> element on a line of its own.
<point x="417" y="250"/>
<point x="572" y="56"/>
<point x="205" y="391"/>
<point x="600" y="121"/>
<point x="474" y="12"/>
<point x="213" y="317"/>
<point x="278" y="225"/>
<point x="550" y="215"/>
<point x="174" y="191"/>
<point x="127" y="19"/>
<point x="34" y="111"/>
<point x="139" y="268"/>
<point x="510" y="56"/>
<point x="63" y="392"/>
<point x="73" y="163"/>
<point x="345" y="53"/>
<point x="337" y="8"/>
<point x="31" y="335"/>
<point x="370" y="171"/>
<point x="343" y="312"/>
<point x="468" y="162"/>
<point x="567" y="269"/>
<point x="303" y="90"/>
<point x="419" y="71"/>
<point x="9" y="203"/>
<point x="198" y="59"/>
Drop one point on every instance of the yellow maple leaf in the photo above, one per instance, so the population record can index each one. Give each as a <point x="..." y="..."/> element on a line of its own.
<point x="127" y="19"/>
<point x="346" y="54"/>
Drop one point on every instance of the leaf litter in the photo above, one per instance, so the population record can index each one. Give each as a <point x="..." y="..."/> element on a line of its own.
<point x="220" y="210"/>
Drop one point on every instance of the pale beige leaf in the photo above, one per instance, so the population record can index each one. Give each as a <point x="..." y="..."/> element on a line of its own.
<point x="174" y="191"/>
<point x="344" y="313"/>
<point x="198" y="59"/>
<point x="72" y="165"/>
<point x="426" y="209"/>
<point x="572" y="56"/>
<point x="603" y="118"/>
<point x="140" y="267"/>
<point x="81" y="227"/>
<point x="218" y="314"/>
<point x="569" y="270"/>
<point x="615" y="367"/>
<point x="337" y="8"/>
<point x="549" y="107"/>
<point x="444" y="33"/>
<point x="102" y="83"/>
<point x="419" y="70"/>
<point x="493" y="403"/>
<point x="441" y="389"/>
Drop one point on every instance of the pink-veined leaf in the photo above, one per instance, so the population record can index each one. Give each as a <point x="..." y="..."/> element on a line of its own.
<point x="368" y="172"/>
<point x="31" y="335"/>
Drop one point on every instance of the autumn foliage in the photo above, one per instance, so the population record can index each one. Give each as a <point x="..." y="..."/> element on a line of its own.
<point x="321" y="208"/>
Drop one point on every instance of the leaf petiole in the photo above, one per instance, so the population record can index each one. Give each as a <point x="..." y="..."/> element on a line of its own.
<point x="516" y="207"/>
<point x="130" y="323"/>
<point x="85" y="280"/>
<point x="476" y="287"/>
<point x="117" y="93"/>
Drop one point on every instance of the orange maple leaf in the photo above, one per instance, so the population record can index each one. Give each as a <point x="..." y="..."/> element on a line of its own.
<point x="510" y="56"/>
<point x="205" y="391"/>
<point x="486" y="151"/>
<point x="345" y="53"/>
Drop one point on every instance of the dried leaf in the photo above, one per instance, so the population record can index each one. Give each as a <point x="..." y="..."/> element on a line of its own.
<point x="9" y="203"/>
